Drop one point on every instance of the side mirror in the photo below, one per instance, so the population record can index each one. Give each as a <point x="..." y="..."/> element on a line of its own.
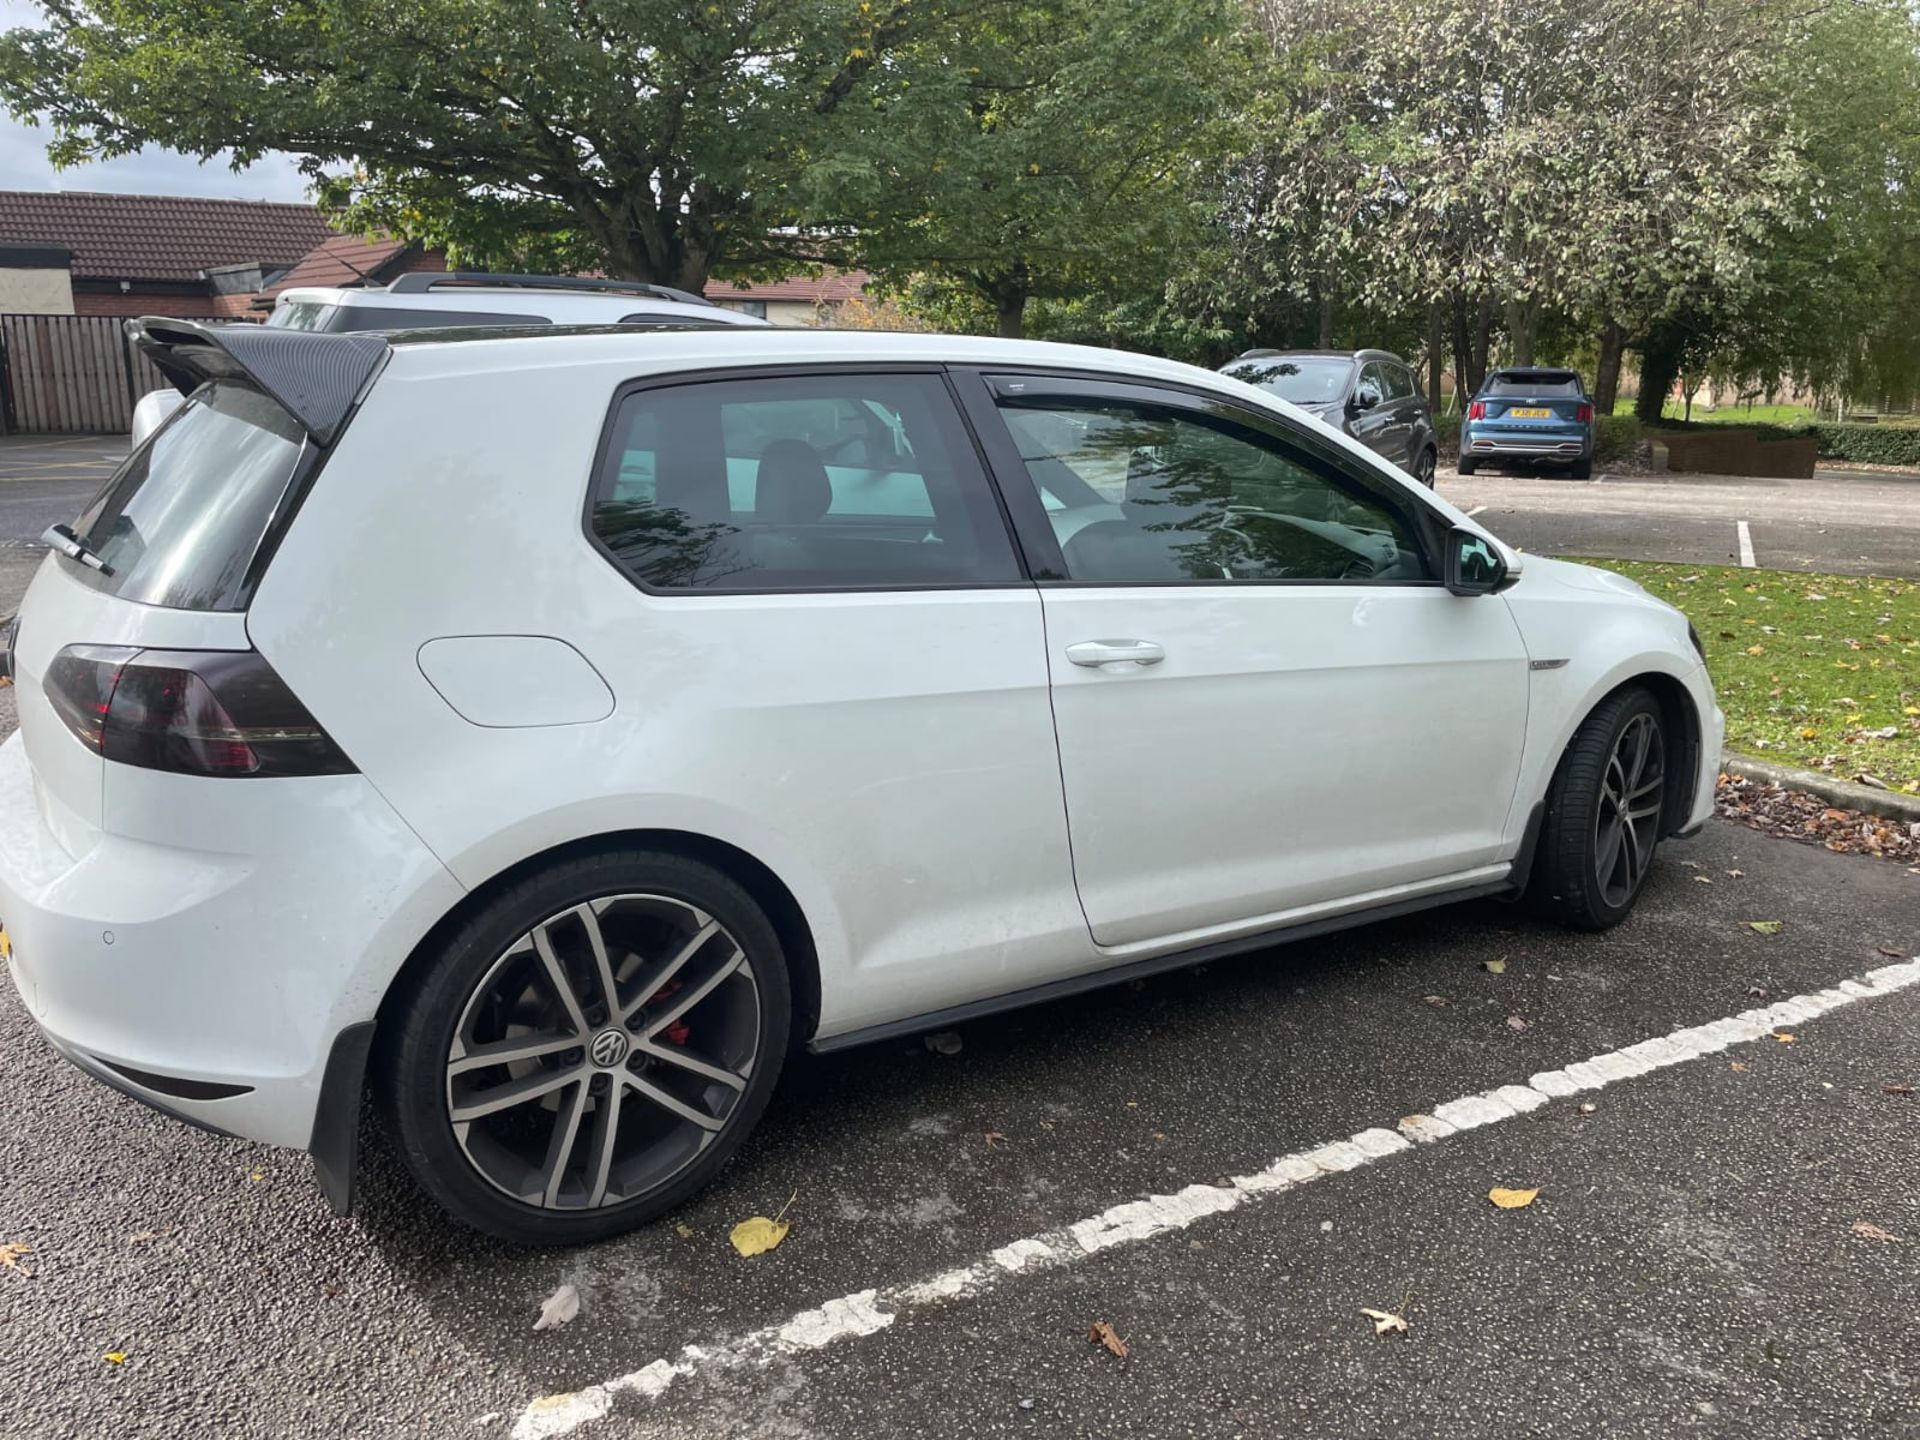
<point x="1473" y="565"/>
<point x="1364" y="399"/>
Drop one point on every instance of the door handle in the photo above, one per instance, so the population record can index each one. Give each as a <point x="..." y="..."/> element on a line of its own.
<point x="1097" y="653"/>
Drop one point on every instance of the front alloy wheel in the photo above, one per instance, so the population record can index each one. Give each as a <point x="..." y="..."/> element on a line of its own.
<point x="590" y="1049"/>
<point x="1603" y="814"/>
<point x="1627" y="817"/>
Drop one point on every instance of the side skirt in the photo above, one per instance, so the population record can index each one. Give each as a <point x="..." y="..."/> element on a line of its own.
<point x="1153" y="965"/>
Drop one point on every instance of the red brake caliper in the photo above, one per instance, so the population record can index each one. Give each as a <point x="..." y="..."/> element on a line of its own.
<point x="679" y="1031"/>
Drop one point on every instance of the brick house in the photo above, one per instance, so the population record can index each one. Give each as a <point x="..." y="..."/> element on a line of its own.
<point x="797" y="300"/>
<point x="353" y="260"/>
<point x="162" y="254"/>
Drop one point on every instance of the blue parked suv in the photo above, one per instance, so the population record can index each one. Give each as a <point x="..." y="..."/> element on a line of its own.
<point x="1530" y="415"/>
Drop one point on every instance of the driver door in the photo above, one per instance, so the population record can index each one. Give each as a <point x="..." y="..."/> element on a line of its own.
<point x="1267" y="706"/>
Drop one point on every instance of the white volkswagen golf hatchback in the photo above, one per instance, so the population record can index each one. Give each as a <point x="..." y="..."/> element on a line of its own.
<point x="550" y="729"/>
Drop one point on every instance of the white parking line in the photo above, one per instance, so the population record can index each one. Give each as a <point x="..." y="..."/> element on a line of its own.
<point x="1475" y="511"/>
<point x="866" y="1312"/>
<point x="1746" y="545"/>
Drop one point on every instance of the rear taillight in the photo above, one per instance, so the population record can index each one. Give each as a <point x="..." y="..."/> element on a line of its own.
<point x="1583" y="414"/>
<point x="1476" y="411"/>
<point x="196" y="712"/>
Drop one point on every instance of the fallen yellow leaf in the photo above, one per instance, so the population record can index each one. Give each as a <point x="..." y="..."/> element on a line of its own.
<point x="1766" y="927"/>
<point x="1736" y="1065"/>
<point x="1101" y="1333"/>
<point x="1384" y="1322"/>
<point x="115" y="1357"/>
<point x="1784" y="1038"/>
<point x="757" y="1235"/>
<point x="1511" y="1199"/>
<point x="1872" y="1231"/>
<point x="12" y="1255"/>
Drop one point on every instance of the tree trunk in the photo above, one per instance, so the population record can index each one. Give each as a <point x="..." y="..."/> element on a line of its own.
<point x="1606" y="381"/>
<point x="1472" y="331"/>
<point x="1436" y="342"/>
<point x="1011" y="308"/>
<point x="1660" y="356"/>
<point x="1326" y="322"/>
<point x="1523" y="322"/>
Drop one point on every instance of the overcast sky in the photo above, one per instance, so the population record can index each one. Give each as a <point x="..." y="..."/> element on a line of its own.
<point x="24" y="164"/>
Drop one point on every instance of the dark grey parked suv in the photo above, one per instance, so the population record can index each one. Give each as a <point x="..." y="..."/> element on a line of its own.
<point x="1370" y="394"/>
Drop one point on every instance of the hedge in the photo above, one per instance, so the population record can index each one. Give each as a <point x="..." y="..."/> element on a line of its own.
<point x="1616" y="437"/>
<point x="1869" y="444"/>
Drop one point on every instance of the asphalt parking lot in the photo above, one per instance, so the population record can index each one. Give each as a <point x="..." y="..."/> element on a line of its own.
<point x="1694" y="1263"/>
<point x="1840" y="522"/>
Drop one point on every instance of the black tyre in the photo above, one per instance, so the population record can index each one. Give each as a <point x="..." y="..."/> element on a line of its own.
<point x="589" y="1048"/>
<point x="1582" y="470"/>
<point x="1603" y="816"/>
<point x="1423" y="468"/>
<point x="1466" y="466"/>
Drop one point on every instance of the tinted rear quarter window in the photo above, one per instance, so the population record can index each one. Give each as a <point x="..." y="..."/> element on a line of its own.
<point x="802" y="483"/>
<point x="180" y="522"/>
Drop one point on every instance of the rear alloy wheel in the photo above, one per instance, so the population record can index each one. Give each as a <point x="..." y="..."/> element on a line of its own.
<point x="1423" y="471"/>
<point x="590" y="1048"/>
<point x="1604" y="809"/>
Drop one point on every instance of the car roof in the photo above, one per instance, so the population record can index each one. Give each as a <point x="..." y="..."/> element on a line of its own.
<point x="1360" y="355"/>
<point x="1533" y="372"/>
<point x="555" y="304"/>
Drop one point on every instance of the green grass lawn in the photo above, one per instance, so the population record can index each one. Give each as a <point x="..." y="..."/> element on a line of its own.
<point x="1788" y="417"/>
<point x="1820" y="671"/>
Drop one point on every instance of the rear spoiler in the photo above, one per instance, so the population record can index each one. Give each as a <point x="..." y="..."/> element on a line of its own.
<point x="315" y="377"/>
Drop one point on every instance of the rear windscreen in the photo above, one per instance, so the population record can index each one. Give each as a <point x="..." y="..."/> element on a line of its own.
<point x="180" y="522"/>
<point x="1543" y="383"/>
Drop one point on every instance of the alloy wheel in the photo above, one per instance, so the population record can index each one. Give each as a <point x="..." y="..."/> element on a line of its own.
<point x="603" y="1052"/>
<point x="1627" y="819"/>
<point x="1424" y="474"/>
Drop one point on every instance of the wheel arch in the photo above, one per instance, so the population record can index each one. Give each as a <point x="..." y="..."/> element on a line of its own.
<point x="359" y="1048"/>
<point x="769" y="892"/>
<point x="1682" y="719"/>
<point x="1683" y="725"/>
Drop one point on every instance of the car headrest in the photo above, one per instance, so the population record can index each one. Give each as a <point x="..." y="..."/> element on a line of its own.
<point x="792" y="487"/>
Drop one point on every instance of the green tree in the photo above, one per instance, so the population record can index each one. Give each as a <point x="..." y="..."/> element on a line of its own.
<point x="1047" y="149"/>
<point x="1503" y="160"/>
<point x="657" y="138"/>
<point x="1835" y="303"/>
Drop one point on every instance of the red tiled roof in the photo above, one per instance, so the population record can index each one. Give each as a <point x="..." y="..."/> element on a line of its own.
<point x="830" y="287"/>
<point x="158" y="237"/>
<point x="343" y="260"/>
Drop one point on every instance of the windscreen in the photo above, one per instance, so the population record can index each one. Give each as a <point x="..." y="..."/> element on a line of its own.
<point x="1303" y="379"/>
<point x="181" y="521"/>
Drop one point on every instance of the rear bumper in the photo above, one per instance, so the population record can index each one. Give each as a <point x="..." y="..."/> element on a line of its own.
<point x="1547" y="445"/>
<point x="212" y="984"/>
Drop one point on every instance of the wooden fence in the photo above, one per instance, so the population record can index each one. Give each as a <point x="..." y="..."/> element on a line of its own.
<point x="70" y="374"/>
